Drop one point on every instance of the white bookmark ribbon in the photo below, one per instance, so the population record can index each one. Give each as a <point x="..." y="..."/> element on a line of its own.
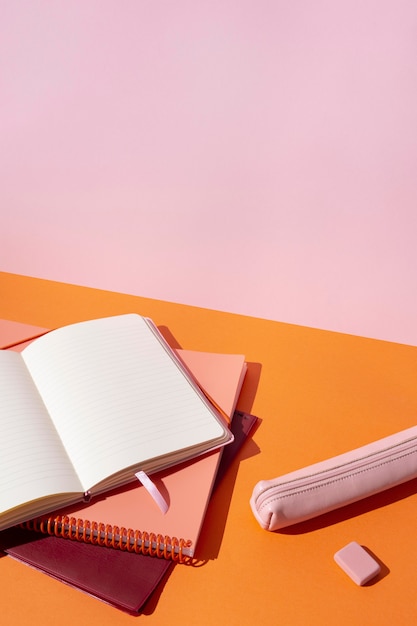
<point x="153" y="490"/>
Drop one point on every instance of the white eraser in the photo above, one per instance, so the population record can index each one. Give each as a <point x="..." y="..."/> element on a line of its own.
<point x="357" y="563"/>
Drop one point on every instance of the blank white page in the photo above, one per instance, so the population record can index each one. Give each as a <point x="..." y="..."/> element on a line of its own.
<point x="116" y="396"/>
<point x="33" y="462"/>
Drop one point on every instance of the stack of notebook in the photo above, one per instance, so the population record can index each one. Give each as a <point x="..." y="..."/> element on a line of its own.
<point x="126" y="577"/>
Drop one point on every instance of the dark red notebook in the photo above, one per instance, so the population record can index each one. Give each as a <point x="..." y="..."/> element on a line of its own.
<point x="124" y="579"/>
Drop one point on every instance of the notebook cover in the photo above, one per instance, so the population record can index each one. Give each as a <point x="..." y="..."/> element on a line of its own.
<point x="12" y="333"/>
<point x="123" y="579"/>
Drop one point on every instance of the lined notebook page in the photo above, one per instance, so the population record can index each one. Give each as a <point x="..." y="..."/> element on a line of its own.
<point x="33" y="462"/>
<point x="115" y="395"/>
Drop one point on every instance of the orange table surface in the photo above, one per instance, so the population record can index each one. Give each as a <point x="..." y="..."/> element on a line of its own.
<point x="318" y="394"/>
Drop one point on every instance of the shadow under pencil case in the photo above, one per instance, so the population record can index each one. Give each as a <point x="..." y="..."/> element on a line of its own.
<point x="336" y="482"/>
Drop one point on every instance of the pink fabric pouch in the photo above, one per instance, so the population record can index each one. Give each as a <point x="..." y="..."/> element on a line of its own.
<point x="328" y="485"/>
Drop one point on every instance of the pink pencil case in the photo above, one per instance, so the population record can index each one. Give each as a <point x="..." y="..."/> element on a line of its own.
<point x="328" y="485"/>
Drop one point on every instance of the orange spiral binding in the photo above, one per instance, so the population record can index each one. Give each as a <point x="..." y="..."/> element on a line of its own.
<point x="120" y="538"/>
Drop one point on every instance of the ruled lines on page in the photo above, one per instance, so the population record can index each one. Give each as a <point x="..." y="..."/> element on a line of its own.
<point x="116" y="396"/>
<point x="33" y="462"/>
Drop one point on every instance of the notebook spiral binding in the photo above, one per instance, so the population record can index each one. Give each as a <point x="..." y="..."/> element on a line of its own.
<point x="97" y="533"/>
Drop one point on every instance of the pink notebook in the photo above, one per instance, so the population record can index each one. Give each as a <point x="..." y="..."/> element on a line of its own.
<point x="13" y="333"/>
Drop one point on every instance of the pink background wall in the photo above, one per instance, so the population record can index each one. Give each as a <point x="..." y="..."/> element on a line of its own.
<point x="257" y="157"/>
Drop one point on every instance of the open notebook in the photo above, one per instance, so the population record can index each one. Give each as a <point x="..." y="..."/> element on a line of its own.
<point x="97" y="401"/>
<point x="127" y="579"/>
<point x="185" y="487"/>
